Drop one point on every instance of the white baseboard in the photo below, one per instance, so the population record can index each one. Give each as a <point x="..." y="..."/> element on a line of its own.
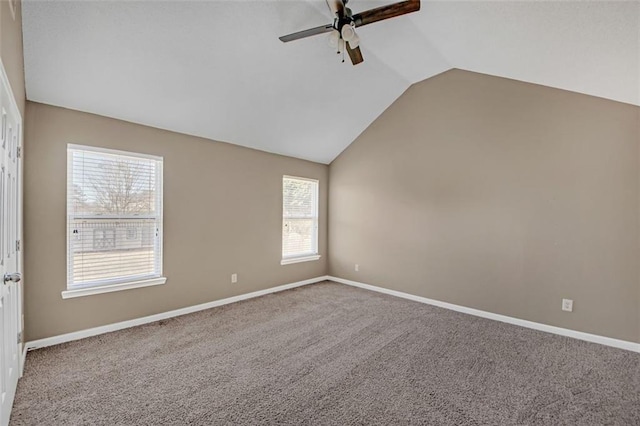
<point x="608" y="341"/>
<point x="49" y="341"/>
<point x="55" y="340"/>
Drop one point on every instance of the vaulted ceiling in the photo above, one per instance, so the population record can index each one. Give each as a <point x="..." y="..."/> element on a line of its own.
<point x="216" y="69"/>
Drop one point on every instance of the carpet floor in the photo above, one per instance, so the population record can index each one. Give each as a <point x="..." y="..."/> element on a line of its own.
<point x="329" y="354"/>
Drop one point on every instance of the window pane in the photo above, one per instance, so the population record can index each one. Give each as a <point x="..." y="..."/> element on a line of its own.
<point x="299" y="198"/>
<point x="104" y="250"/>
<point x="298" y="237"/>
<point x="112" y="184"/>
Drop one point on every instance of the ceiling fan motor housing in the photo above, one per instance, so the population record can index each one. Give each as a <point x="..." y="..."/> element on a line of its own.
<point x="341" y="22"/>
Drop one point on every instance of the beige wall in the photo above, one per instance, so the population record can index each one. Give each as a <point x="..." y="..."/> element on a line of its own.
<point x="222" y="215"/>
<point x="498" y="195"/>
<point x="11" y="50"/>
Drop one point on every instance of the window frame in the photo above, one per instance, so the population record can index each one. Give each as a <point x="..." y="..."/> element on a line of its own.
<point x="305" y="257"/>
<point x="117" y="284"/>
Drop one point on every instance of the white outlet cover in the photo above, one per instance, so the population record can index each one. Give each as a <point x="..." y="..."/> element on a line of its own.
<point x="234" y="278"/>
<point x="567" y="305"/>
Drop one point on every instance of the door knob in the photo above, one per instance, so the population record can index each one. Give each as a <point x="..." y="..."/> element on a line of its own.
<point x="15" y="277"/>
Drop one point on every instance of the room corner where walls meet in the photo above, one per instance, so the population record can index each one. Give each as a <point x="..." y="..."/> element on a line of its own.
<point x="497" y="195"/>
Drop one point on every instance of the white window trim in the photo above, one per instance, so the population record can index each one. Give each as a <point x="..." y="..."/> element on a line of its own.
<point x="114" y="151"/>
<point x="88" y="291"/>
<point x="315" y="255"/>
<point x="298" y="259"/>
<point x="107" y="286"/>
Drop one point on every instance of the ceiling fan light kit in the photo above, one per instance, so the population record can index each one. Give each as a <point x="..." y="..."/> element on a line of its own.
<point x="354" y="42"/>
<point x="348" y="32"/>
<point x="342" y="31"/>
<point x="334" y="37"/>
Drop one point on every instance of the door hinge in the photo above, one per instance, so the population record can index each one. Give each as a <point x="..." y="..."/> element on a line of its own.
<point x="20" y="337"/>
<point x="19" y="152"/>
<point x="17" y="245"/>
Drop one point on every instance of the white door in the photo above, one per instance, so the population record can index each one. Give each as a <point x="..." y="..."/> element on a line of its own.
<point x="10" y="254"/>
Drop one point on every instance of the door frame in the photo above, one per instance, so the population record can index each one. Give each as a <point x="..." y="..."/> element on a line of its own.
<point x="19" y="215"/>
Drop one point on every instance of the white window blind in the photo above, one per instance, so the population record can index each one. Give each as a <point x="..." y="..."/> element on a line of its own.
<point x="114" y="217"/>
<point x="299" y="218"/>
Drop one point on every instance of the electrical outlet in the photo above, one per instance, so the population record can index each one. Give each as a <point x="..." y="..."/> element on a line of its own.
<point x="567" y="305"/>
<point x="234" y="278"/>
<point x="357" y="267"/>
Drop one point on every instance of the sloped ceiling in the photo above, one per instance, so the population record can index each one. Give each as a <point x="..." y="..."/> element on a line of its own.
<point x="216" y="69"/>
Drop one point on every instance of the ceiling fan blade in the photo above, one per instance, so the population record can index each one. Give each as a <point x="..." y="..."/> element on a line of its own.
<point x="307" y="33"/>
<point x="386" y="12"/>
<point x="336" y="7"/>
<point x="354" y="54"/>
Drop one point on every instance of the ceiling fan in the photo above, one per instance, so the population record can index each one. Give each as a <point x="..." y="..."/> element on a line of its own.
<point x="343" y="35"/>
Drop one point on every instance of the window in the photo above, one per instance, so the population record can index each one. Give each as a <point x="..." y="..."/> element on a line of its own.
<point x="299" y="220"/>
<point x="114" y="220"/>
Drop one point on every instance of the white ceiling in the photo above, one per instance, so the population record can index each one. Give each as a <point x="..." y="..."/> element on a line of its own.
<point x="217" y="69"/>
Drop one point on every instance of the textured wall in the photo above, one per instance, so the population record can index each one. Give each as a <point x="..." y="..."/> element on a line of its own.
<point x="498" y="195"/>
<point x="222" y="215"/>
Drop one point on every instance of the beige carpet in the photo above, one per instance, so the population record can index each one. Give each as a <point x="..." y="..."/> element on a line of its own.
<point x="329" y="354"/>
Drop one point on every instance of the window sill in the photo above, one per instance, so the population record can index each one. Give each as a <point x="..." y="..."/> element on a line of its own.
<point x="68" y="294"/>
<point x="291" y="260"/>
